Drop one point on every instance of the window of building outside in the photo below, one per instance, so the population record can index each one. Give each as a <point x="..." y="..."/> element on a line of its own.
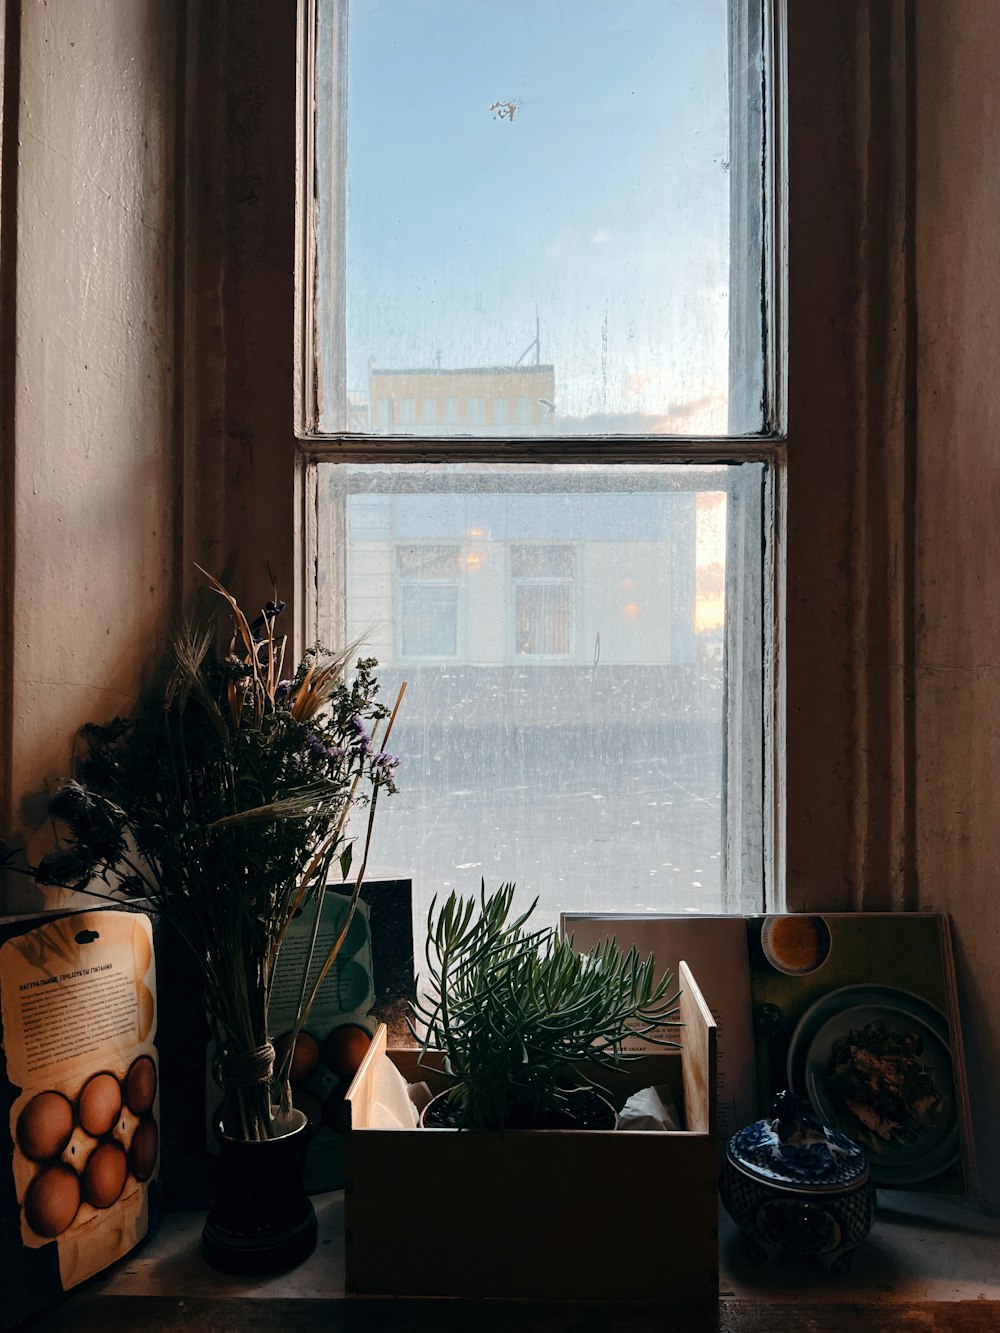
<point x="542" y="600"/>
<point x="568" y="260"/>
<point x="427" y="601"/>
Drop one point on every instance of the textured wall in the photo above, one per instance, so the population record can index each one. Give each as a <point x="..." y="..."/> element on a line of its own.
<point x="89" y="439"/>
<point x="958" y="515"/>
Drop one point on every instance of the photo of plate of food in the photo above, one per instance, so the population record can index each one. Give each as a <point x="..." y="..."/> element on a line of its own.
<point x="874" y="1062"/>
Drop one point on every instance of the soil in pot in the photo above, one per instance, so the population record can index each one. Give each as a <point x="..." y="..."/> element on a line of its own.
<point x="586" y="1109"/>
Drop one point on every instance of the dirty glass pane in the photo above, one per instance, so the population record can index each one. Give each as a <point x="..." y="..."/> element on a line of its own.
<point x="539" y="217"/>
<point x="563" y="639"/>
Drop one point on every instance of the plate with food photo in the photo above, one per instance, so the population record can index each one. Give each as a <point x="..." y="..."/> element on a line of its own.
<point x="875" y="1063"/>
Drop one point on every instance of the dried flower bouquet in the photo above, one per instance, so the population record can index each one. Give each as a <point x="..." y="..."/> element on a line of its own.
<point x="224" y="805"/>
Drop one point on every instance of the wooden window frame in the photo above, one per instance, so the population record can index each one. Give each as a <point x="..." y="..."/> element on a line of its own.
<point x="843" y="573"/>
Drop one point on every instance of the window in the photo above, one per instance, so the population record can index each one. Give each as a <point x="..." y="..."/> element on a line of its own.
<point x="543" y="600"/>
<point x="427" y="601"/>
<point x="574" y="289"/>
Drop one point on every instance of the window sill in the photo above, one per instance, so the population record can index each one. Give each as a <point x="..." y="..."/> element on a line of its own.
<point x="929" y="1263"/>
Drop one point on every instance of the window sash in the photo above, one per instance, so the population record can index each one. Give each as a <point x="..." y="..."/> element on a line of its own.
<point x="753" y="761"/>
<point x="757" y="380"/>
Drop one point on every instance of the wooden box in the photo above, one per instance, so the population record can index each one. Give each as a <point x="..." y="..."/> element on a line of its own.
<point x="541" y="1214"/>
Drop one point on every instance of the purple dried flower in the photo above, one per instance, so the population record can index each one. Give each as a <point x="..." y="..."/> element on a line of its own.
<point x="383" y="766"/>
<point x="360" y="743"/>
<point x="319" y="749"/>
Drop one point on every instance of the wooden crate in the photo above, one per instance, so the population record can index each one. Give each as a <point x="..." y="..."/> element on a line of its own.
<point x="541" y="1214"/>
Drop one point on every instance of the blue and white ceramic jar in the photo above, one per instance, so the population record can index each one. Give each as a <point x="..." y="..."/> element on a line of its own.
<point x="795" y="1186"/>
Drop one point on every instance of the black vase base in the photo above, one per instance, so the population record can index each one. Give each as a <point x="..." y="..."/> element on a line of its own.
<point x="260" y="1252"/>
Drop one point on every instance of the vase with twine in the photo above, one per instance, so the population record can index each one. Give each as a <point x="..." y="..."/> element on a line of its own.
<point x="262" y="1220"/>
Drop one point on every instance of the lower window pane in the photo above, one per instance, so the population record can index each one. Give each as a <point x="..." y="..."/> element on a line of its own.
<point x="569" y="640"/>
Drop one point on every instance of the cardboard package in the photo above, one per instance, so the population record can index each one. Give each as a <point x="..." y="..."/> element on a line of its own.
<point x="79" y="1100"/>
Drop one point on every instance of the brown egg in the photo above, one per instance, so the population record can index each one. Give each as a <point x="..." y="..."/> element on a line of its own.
<point x="100" y="1104"/>
<point x="105" y="1174"/>
<point x="345" y="1048"/>
<point x="45" y="1125"/>
<point x="52" y="1200"/>
<point x="305" y="1057"/>
<point x="140" y="1085"/>
<point x="142" y="1150"/>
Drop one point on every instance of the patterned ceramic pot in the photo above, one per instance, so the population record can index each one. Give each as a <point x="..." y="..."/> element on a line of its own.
<point x="795" y="1186"/>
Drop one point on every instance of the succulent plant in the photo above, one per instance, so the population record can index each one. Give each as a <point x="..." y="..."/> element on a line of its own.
<point x="520" y="1016"/>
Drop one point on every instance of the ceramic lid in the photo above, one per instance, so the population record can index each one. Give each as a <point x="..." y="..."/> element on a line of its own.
<point x="790" y="1148"/>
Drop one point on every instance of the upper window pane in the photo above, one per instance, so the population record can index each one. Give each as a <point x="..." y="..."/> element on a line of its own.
<point x="539" y="217"/>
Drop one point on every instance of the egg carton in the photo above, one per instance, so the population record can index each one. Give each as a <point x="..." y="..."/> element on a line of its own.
<point x="78" y="1006"/>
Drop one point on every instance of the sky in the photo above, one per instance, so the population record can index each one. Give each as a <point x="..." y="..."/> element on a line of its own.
<point x="559" y="159"/>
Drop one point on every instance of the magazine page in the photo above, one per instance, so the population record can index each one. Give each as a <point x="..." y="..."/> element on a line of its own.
<point x="856" y="1012"/>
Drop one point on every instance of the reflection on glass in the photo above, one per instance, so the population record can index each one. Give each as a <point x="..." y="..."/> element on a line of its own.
<point x="537" y="231"/>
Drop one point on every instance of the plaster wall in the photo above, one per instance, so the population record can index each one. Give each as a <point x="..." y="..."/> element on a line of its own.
<point x="89" y="546"/>
<point x="957" y="533"/>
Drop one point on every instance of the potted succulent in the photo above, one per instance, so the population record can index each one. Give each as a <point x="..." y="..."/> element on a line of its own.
<point x="223" y="807"/>
<point x="524" y="1022"/>
<point x="508" y="1022"/>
